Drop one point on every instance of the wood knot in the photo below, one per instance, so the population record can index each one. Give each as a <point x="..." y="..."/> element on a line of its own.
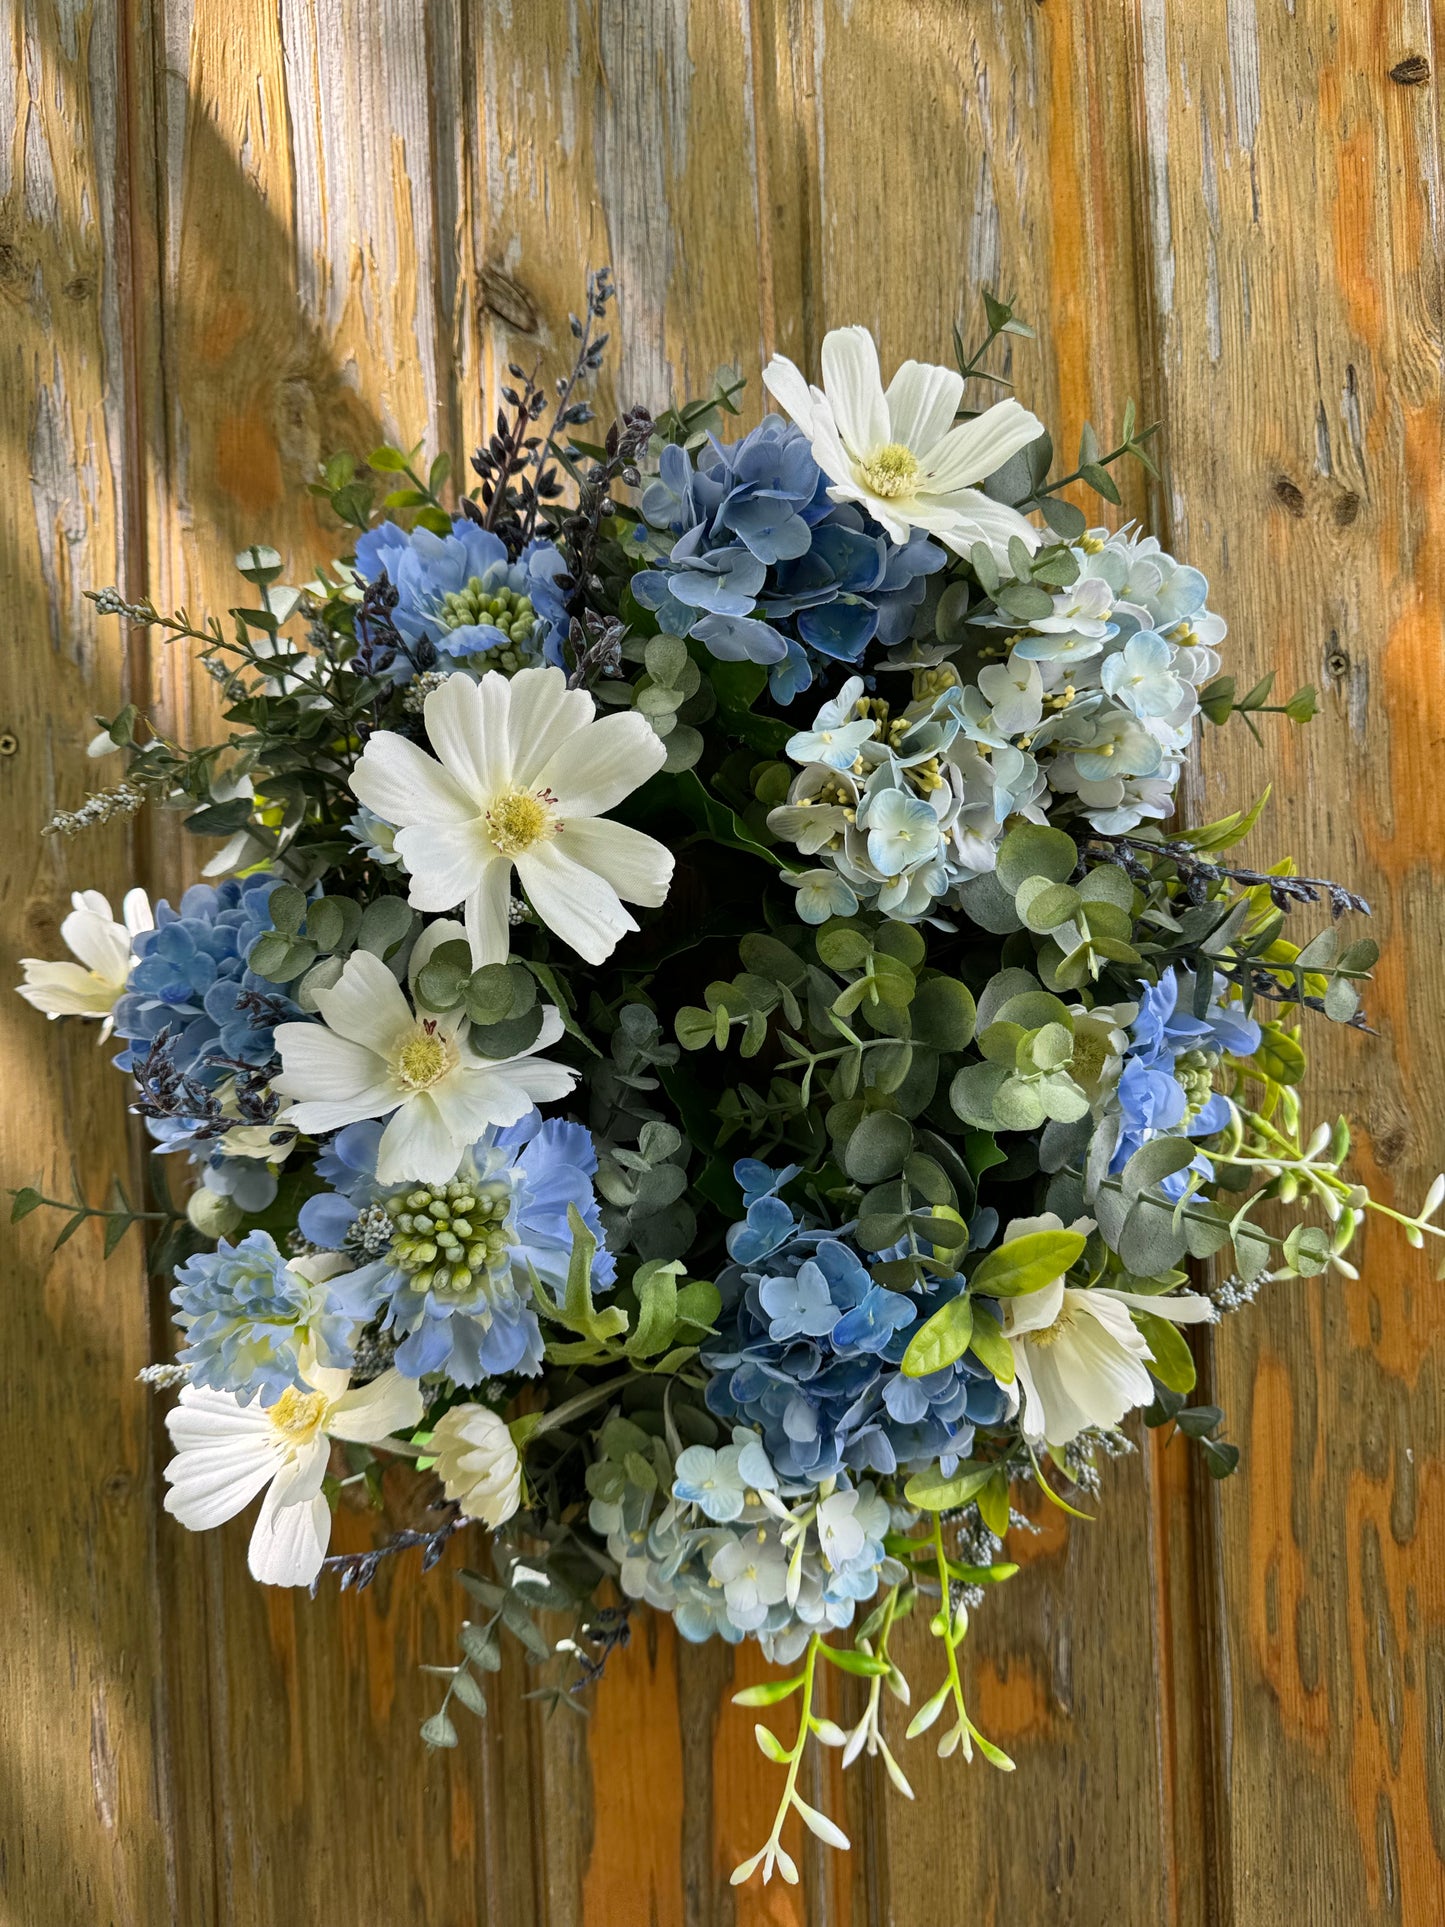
<point x="1412" y="71"/>
<point x="509" y="301"/>
<point x="1290" y="494"/>
<point x="80" y="287"/>
<point x="1346" y="508"/>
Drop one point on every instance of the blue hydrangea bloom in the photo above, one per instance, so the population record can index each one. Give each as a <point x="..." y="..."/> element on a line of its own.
<point x="809" y="1349"/>
<point x="248" y="1314"/>
<point x="190" y="980"/>
<point x="1157" y="1092"/>
<point x="764" y="567"/>
<point x="482" y="1325"/>
<point x="440" y="579"/>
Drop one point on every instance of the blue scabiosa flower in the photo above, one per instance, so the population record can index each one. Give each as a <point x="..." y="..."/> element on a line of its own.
<point x="455" y="1260"/>
<point x="809" y="1350"/>
<point x="249" y="1316"/>
<point x="463" y="597"/>
<point x="763" y="566"/>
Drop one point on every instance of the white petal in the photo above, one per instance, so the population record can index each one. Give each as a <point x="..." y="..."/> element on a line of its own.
<point x="601" y="764"/>
<point x="978" y="448"/>
<point x="467" y="725"/>
<point x="922" y="402"/>
<point x="855" y="389"/>
<point x="501" y="1093"/>
<point x="445" y="859"/>
<point x="64" y="989"/>
<point x="489" y="928"/>
<point x="136" y="911"/>
<point x="404" y="785"/>
<point x="390" y="1403"/>
<point x="225" y="1453"/>
<point x="318" y="1066"/>
<point x="545" y="714"/>
<point x="831" y="456"/>
<point x="290" y="1541"/>
<point x="638" y="867"/>
<point x="970" y="516"/>
<point x="418" y="1145"/>
<point x="581" y="907"/>
<point x="367" y="1005"/>
<point x="99" y="942"/>
<point x="785" y="383"/>
<point x="1187" y="1308"/>
<point x="1034" y="1311"/>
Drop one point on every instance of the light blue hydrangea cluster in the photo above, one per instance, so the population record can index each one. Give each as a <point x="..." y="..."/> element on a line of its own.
<point x="463" y="602"/>
<point x="809" y="1350"/>
<point x="900" y="808"/>
<point x="1088" y="713"/>
<point x="248" y="1317"/>
<point x="727" y="1554"/>
<point x="451" y="1265"/>
<point x="753" y="559"/>
<point x="1101" y="695"/>
<point x="1166" y="1085"/>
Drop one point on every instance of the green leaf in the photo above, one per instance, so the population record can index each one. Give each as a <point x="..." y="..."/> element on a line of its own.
<point x="1172" y="1362"/>
<point x="385" y="926"/>
<point x="1160" y="1158"/>
<point x="655" y="1286"/>
<point x="27" y="1199"/>
<point x="943" y="1339"/>
<point x="878" y="1148"/>
<point x="1027" y="1264"/>
<point x="848" y="1660"/>
<point x="1025" y="601"/>
<point x="993" y="1506"/>
<point x="387" y="460"/>
<point x="439" y="1731"/>
<point x="992" y="1349"/>
<point x="1063" y="518"/>
<point x="1045" y="908"/>
<point x="1034" y="850"/>
<point x="931" y="1492"/>
<point x="466" y="1689"/>
<point x="943" y="1014"/>
<point x="768" y="1692"/>
<point x="287" y="907"/>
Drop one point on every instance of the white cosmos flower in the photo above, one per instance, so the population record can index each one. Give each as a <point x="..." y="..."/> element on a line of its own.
<point x="227" y="1452"/>
<point x="899" y="452"/>
<point x="105" y="948"/>
<point x="477" y="1463"/>
<point x="374" y="1056"/>
<point x="522" y="776"/>
<point x="1079" y="1359"/>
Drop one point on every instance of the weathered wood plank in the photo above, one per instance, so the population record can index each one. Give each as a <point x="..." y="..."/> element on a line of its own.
<point x="84" y="1796"/>
<point x="1295" y="209"/>
<point x="305" y="220"/>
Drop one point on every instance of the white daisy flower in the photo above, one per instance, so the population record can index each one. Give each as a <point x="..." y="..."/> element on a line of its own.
<point x="899" y="452"/>
<point x="227" y="1452"/>
<point x="374" y="1056"/>
<point x="105" y="948"/>
<point x="522" y="777"/>
<point x="1079" y="1359"/>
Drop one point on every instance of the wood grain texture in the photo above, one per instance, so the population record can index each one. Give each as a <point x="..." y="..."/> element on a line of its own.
<point x="236" y="236"/>
<point x="84" y="1800"/>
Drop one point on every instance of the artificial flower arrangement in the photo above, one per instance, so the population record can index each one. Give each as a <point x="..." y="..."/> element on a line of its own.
<point x="698" y="1033"/>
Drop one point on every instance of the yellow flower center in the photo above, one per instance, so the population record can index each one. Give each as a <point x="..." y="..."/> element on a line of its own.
<point x="519" y="818"/>
<point x="297" y="1415"/>
<point x="890" y="470"/>
<point x="1051" y="1334"/>
<point x="424" y="1057"/>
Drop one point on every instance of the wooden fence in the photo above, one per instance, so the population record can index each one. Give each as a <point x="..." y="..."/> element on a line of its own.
<point x="235" y="237"/>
